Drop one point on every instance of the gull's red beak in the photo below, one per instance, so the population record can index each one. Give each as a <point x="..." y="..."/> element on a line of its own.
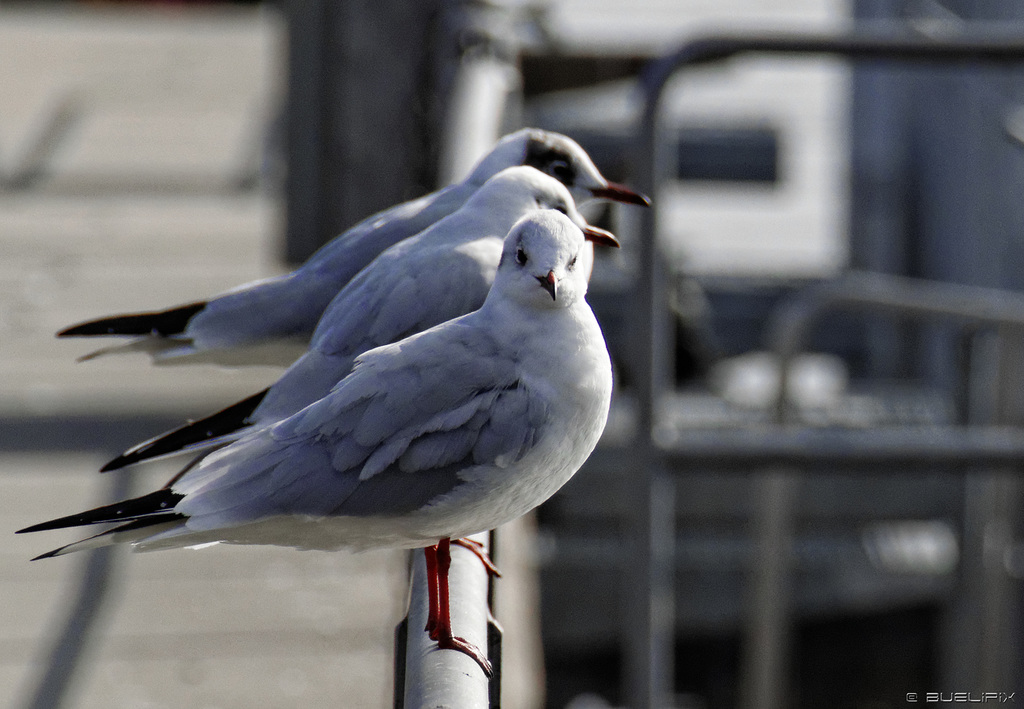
<point x="600" y="237"/>
<point x="620" y="193"/>
<point x="548" y="283"/>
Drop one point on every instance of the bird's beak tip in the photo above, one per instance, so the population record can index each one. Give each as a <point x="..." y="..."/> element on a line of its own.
<point x="600" y="237"/>
<point x="549" y="283"/>
<point x="620" y="193"/>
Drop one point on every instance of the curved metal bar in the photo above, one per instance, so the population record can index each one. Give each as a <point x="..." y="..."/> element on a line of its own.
<point x="793" y="322"/>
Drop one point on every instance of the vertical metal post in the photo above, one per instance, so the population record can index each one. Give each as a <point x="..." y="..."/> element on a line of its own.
<point x="879" y="190"/>
<point x="1002" y="665"/>
<point x="766" y="641"/>
<point x="483" y="79"/>
<point x="979" y="649"/>
<point x="650" y="595"/>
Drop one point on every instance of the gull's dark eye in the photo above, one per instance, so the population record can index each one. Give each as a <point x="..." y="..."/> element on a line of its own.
<point x="572" y="264"/>
<point x="521" y="257"/>
<point x="561" y="171"/>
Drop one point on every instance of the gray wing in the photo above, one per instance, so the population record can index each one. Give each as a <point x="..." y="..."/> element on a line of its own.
<point x="291" y="305"/>
<point x="410" y="288"/>
<point x="393" y="436"/>
<point x="405" y="291"/>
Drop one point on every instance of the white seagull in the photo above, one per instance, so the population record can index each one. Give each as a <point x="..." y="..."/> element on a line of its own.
<point x="445" y="434"/>
<point x="270" y="321"/>
<point x="442" y="273"/>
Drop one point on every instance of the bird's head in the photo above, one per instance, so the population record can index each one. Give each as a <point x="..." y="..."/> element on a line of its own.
<point x="517" y="191"/>
<point x="560" y="157"/>
<point x="540" y="265"/>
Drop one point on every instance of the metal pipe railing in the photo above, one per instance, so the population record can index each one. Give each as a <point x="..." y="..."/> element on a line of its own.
<point x="428" y="677"/>
<point x="881" y="293"/>
<point x="649" y="649"/>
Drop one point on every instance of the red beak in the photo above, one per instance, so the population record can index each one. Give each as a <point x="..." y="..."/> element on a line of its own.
<point x="548" y="283"/>
<point x="600" y="237"/>
<point x="620" y="193"/>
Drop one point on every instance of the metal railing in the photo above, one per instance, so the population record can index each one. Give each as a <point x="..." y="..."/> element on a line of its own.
<point x="428" y="677"/>
<point x="964" y="449"/>
<point x="649" y="639"/>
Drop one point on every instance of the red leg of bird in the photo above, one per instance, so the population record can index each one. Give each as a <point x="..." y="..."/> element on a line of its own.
<point x="430" y="555"/>
<point x="445" y="639"/>
<point x="478" y="549"/>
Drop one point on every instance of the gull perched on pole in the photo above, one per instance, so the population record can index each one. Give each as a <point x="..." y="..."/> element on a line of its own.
<point x="439" y="274"/>
<point x="270" y="321"/>
<point x="445" y="434"/>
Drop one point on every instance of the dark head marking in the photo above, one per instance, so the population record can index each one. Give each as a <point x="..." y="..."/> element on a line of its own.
<point x="545" y="156"/>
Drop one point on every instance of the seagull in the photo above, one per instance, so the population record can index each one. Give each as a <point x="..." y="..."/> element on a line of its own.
<point x="442" y="273"/>
<point x="270" y="321"/>
<point x="447" y="433"/>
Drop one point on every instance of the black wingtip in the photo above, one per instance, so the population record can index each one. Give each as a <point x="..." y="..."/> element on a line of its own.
<point x="50" y="554"/>
<point x="161" y="503"/>
<point x="117" y="463"/>
<point x="107" y="536"/>
<point x="164" y="323"/>
<point x="195" y="433"/>
<point x="47" y="526"/>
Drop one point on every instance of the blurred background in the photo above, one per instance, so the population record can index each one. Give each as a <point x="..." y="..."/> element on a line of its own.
<point x="858" y="546"/>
